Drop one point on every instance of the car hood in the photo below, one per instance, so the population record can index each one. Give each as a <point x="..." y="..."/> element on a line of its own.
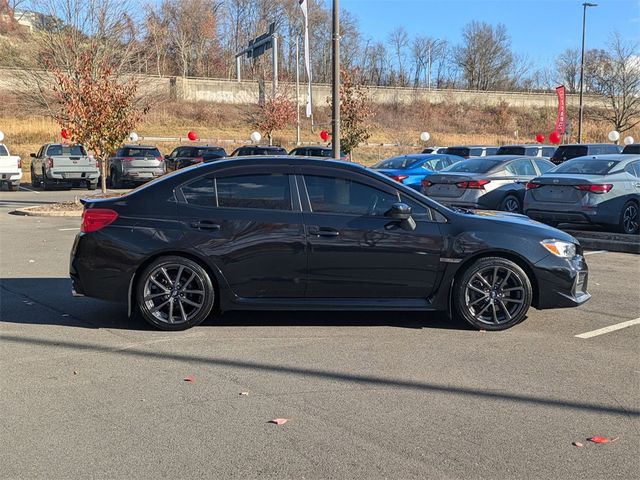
<point x="496" y="219"/>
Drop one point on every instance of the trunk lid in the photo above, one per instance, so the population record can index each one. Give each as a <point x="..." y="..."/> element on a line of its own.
<point x="448" y="185"/>
<point x="561" y="189"/>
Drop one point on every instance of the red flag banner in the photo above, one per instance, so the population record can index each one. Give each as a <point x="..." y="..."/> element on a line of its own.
<point x="561" y="124"/>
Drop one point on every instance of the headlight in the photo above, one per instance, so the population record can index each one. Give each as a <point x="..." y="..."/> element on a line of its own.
<point x="560" y="249"/>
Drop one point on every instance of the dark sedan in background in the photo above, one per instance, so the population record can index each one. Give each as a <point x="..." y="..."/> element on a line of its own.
<point x="310" y="234"/>
<point x="186" y="156"/>
<point x="412" y="168"/>
<point x="258" y="150"/>
<point x="527" y="150"/>
<point x="318" y="151"/>
<point x="468" y="151"/>
<point x="494" y="183"/>
<point x="601" y="190"/>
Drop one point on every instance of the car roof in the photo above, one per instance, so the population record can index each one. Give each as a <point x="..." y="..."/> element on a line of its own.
<point x="505" y="158"/>
<point x="287" y="160"/>
<point x="526" y="145"/>
<point x="611" y="157"/>
<point x="588" y="145"/>
<point x="134" y="145"/>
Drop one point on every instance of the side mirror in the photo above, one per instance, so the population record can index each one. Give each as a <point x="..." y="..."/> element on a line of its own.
<point x="33" y="155"/>
<point x="399" y="211"/>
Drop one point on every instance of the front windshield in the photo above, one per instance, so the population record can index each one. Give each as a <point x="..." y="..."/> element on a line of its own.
<point x="475" y="165"/>
<point x="397" y="163"/>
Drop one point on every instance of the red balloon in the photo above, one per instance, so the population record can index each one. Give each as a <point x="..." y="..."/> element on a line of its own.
<point x="540" y="138"/>
<point x="554" y="137"/>
<point x="66" y="134"/>
<point x="192" y="135"/>
<point x="324" y="135"/>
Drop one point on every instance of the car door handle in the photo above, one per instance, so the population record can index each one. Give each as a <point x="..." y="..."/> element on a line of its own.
<point x="206" y="225"/>
<point x="324" y="231"/>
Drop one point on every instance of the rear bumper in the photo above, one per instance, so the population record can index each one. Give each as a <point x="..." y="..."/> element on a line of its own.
<point x="141" y="176"/>
<point x="591" y="216"/>
<point x="13" y="176"/>
<point x="562" y="283"/>
<point x="73" y="175"/>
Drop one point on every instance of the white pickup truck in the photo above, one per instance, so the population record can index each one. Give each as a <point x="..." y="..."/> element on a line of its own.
<point x="57" y="163"/>
<point x="10" y="168"/>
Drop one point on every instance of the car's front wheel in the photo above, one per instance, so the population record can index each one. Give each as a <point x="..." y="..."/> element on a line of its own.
<point x="493" y="293"/>
<point x="175" y="293"/>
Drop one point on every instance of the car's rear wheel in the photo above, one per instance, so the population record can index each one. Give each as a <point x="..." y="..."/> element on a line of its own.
<point x="91" y="185"/>
<point x="493" y="293"/>
<point x="630" y="218"/>
<point x="11" y="187"/>
<point x="34" y="179"/>
<point x="46" y="184"/>
<point x="511" y="203"/>
<point x="115" y="179"/>
<point x="175" y="293"/>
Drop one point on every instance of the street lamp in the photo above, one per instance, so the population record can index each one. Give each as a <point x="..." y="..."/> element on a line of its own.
<point x="335" y="115"/>
<point x="584" y="20"/>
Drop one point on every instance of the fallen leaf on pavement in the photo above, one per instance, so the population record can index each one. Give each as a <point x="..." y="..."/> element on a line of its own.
<point x="279" y="421"/>
<point x="244" y="393"/>
<point x="190" y="379"/>
<point x="599" y="439"/>
<point x="75" y="372"/>
<point x="577" y="444"/>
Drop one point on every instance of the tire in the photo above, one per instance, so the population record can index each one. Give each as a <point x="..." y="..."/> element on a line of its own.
<point x="171" y="307"/>
<point x="46" y="184"/>
<point x="511" y="204"/>
<point x="482" y="300"/>
<point x="11" y="187"/>
<point x="92" y="185"/>
<point x="630" y="218"/>
<point x="115" y="179"/>
<point x="34" y="179"/>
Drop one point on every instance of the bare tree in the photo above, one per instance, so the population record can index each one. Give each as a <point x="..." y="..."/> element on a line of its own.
<point x="568" y="69"/>
<point x="485" y="56"/>
<point x="615" y="75"/>
<point x="399" y="42"/>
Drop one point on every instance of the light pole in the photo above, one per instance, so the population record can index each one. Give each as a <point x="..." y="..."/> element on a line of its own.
<point x="581" y="108"/>
<point x="335" y="120"/>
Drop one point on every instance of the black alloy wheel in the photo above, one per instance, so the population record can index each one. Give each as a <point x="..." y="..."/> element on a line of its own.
<point x="493" y="294"/>
<point x="629" y="218"/>
<point x="511" y="204"/>
<point x="175" y="293"/>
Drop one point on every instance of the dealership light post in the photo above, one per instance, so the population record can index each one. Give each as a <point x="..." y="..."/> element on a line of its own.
<point x="581" y="108"/>
<point x="335" y="120"/>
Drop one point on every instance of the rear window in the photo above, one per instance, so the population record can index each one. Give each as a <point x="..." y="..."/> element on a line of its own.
<point x="219" y="151"/>
<point x="570" y="151"/>
<point x="586" y="166"/>
<point x="269" y="151"/>
<point x="634" y="148"/>
<point x="3" y="151"/>
<point x="511" y="151"/>
<point x="397" y="163"/>
<point x="461" y="152"/>
<point x="475" y="165"/>
<point x="66" y="150"/>
<point x="141" y="152"/>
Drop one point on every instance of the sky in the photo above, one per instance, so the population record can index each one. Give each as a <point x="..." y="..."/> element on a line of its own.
<point x="540" y="29"/>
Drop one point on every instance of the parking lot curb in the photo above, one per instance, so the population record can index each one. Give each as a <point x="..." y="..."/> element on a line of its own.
<point x="34" y="212"/>
<point x="607" y="241"/>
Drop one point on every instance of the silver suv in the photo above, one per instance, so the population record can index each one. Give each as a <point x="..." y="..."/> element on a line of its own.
<point x="57" y="163"/>
<point x="135" y="164"/>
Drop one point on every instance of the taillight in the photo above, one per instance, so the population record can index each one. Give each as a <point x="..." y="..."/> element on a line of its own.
<point x="425" y="183"/>
<point x="128" y="159"/>
<point x="160" y="159"/>
<point x="399" y="178"/>
<point x="94" y="219"/>
<point x="532" y="186"/>
<point x="20" y="163"/>
<point x="595" y="188"/>
<point x="198" y="159"/>
<point x="478" y="184"/>
<point x="49" y="162"/>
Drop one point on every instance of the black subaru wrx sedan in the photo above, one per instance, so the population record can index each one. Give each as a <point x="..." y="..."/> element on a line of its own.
<point x="302" y="234"/>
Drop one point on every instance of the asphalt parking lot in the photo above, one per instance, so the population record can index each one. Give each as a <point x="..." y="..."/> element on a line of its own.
<point x="85" y="392"/>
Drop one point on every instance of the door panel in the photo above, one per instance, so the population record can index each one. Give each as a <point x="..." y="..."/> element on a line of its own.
<point x="261" y="252"/>
<point x="359" y="254"/>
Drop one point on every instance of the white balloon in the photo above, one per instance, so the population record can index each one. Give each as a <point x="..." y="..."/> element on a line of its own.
<point x="255" y="137"/>
<point x="614" y="136"/>
<point x="133" y="136"/>
<point x="627" y="140"/>
<point x="1" y="136"/>
<point x="424" y="136"/>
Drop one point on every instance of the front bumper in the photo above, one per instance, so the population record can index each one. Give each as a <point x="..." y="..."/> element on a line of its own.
<point x="561" y="282"/>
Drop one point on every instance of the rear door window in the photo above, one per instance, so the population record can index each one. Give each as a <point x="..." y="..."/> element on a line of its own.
<point x="268" y="191"/>
<point x="522" y="167"/>
<point x="544" y="166"/>
<point x="200" y="192"/>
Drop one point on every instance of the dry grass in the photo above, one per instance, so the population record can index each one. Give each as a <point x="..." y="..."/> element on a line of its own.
<point x="449" y="124"/>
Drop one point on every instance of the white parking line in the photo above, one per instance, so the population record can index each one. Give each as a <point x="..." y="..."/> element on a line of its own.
<point x="29" y="190"/>
<point x="610" y="328"/>
<point x="596" y="251"/>
<point x="67" y="229"/>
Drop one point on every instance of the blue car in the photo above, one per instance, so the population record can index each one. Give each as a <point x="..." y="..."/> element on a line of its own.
<point x="412" y="168"/>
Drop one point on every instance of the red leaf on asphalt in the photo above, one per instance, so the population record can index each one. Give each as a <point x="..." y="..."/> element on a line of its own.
<point x="598" y="439"/>
<point x="190" y="379"/>
<point x="279" y="421"/>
